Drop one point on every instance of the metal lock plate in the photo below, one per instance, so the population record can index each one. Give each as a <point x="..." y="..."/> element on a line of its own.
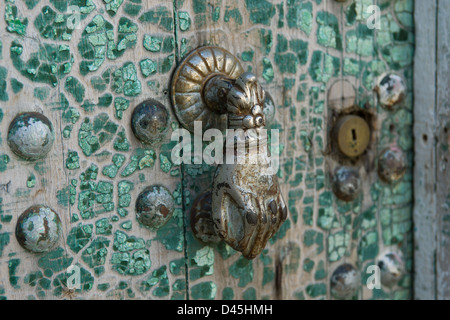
<point x="352" y="135"/>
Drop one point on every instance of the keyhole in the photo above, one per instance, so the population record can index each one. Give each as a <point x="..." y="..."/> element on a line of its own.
<point x="354" y="135"/>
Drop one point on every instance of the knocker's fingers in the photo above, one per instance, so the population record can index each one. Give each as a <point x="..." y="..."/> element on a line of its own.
<point x="282" y="208"/>
<point x="261" y="231"/>
<point x="281" y="214"/>
<point x="228" y="220"/>
<point x="277" y="212"/>
<point x="252" y="222"/>
<point x="262" y="236"/>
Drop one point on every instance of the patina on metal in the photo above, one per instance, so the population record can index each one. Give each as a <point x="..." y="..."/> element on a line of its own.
<point x="391" y="90"/>
<point x="346" y="183"/>
<point x="392" y="267"/>
<point x="154" y="206"/>
<point x="150" y="122"/>
<point x="31" y="135"/>
<point x="38" y="229"/>
<point x="200" y="69"/>
<point x="345" y="281"/>
<point x="391" y="164"/>
<point x="247" y="206"/>
<point x="352" y="135"/>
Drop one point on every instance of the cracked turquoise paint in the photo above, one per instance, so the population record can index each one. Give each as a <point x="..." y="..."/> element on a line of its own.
<point x="301" y="46"/>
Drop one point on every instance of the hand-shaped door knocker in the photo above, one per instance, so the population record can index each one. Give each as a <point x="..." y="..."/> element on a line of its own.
<point x="245" y="207"/>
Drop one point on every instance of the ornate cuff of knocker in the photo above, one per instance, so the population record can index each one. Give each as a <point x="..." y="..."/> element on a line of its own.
<point x="250" y="121"/>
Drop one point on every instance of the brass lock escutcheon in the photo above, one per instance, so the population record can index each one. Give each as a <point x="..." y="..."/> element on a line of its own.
<point x="244" y="207"/>
<point x="352" y="134"/>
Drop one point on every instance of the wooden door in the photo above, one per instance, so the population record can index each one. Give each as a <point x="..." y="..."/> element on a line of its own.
<point x="86" y="64"/>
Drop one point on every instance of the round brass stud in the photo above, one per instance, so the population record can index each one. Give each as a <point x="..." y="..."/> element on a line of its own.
<point x="391" y="90"/>
<point x="391" y="164"/>
<point x="392" y="267"/>
<point x="38" y="229"/>
<point x="150" y="122"/>
<point x="154" y="206"/>
<point x="346" y="183"/>
<point x="345" y="281"/>
<point x="30" y="136"/>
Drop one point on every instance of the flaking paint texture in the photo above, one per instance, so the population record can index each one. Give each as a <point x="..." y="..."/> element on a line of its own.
<point x="89" y="72"/>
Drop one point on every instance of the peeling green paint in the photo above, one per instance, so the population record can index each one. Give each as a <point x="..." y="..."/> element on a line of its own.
<point x="204" y="290"/>
<point x="49" y="71"/>
<point x="328" y="34"/>
<point x="261" y="12"/>
<point x="304" y="50"/>
<point x="300" y="15"/>
<point x="242" y="269"/>
<point x="14" y="23"/>
<point x="160" y="16"/>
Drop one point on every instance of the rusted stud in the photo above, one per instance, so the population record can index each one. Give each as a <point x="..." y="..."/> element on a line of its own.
<point x="346" y="183"/>
<point x="150" y="122"/>
<point x="391" y="90"/>
<point x="345" y="281"/>
<point x="38" y="229"/>
<point x="154" y="206"/>
<point x="201" y="221"/>
<point x="392" y="267"/>
<point x="30" y="136"/>
<point x="391" y="164"/>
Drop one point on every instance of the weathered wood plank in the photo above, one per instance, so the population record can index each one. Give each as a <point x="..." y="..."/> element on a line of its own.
<point x="110" y="276"/>
<point x="322" y="232"/>
<point x="431" y="116"/>
<point x="424" y="167"/>
<point x="442" y="150"/>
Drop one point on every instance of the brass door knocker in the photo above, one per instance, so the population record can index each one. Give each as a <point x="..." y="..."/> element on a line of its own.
<point x="245" y="207"/>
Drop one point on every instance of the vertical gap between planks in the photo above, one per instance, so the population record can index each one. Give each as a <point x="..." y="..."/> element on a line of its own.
<point x="182" y="168"/>
<point x="328" y="232"/>
<point x="435" y="152"/>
